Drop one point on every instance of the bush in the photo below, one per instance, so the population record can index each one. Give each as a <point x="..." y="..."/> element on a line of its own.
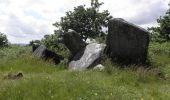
<point x="159" y="54"/>
<point x="3" y="40"/>
<point x="34" y="41"/>
<point x="160" y="48"/>
<point x="53" y="43"/>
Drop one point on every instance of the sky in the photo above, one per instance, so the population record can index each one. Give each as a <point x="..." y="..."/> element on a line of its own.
<point x="26" y="20"/>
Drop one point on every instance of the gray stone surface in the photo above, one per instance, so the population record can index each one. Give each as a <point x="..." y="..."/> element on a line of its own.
<point x="126" y="42"/>
<point x="73" y="42"/>
<point x="39" y="51"/>
<point x="85" y="58"/>
<point x="35" y="46"/>
<point x="46" y="54"/>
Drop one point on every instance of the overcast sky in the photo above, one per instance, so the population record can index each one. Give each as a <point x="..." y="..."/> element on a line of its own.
<point x="26" y="20"/>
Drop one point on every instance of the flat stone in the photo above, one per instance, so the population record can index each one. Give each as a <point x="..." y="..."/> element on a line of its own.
<point x="86" y="57"/>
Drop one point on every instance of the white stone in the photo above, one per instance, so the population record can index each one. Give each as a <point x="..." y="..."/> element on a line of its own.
<point x="70" y="30"/>
<point x="92" y="52"/>
<point x="99" y="67"/>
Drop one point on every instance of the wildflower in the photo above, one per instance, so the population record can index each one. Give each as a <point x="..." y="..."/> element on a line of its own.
<point x="95" y="94"/>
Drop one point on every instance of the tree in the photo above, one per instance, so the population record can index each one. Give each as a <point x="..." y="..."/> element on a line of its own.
<point x="86" y="21"/>
<point x="3" y="40"/>
<point x="162" y="32"/>
<point x="53" y="42"/>
<point x="34" y="41"/>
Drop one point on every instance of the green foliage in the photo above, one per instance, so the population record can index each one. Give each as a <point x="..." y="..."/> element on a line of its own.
<point x="160" y="48"/>
<point x="34" y="41"/>
<point x="159" y="53"/>
<point x="162" y="32"/>
<point x="53" y="43"/>
<point x="86" y="21"/>
<point x="3" y="40"/>
<point x="12" y="52"/>
<point x="101" y="39"/>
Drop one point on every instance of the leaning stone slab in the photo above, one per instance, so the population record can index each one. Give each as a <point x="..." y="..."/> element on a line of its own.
<point x="85" y="58"/>
<point x="46" y="54"/>
<point x="39" y="51"/>
<point x="73" y="42"/>
<point x="35" y="46"/>
<point x="126" y="42"/>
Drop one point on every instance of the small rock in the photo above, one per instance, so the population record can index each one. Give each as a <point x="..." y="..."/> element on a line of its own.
<point x="99" y="67"/>
<point x="13" y="77"/>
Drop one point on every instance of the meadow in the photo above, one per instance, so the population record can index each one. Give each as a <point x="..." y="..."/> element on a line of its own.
<point x="47" y="81"/>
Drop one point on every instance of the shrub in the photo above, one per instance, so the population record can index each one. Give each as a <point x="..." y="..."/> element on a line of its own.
<point x="162" y="32"/>
<point x="53" y="43"/>
<point x="3" y="40"/>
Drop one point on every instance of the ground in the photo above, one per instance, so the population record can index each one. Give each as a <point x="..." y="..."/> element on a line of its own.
<point x="46" y="81"/>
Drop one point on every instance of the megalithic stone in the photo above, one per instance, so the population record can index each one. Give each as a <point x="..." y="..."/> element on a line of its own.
<point x="126" y="42"/>
<point x="73" y="42"/>
<point x="46" y="54"/>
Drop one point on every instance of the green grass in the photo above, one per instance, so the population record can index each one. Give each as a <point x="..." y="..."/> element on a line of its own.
<point x="46" y="81"/>
<point x="159" y="54"/>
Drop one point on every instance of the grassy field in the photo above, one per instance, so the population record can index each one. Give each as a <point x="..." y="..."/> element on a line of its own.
<point x="46" y="81"/>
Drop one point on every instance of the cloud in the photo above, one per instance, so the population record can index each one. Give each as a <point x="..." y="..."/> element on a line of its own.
<point x="149" y="15"/>
<point x="141" y="12"/>
<point x="26" y="20"/>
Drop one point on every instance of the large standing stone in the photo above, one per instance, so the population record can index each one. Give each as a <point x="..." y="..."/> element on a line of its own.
<point x="126" y="42"/>
<point x="87" y="57"/>
<point x="73" y="42"/>
<point x="46" y="54"/>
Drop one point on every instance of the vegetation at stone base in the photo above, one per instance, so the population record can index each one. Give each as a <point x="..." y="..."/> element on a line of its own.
<point x="53" y="43"/>
<point x="159" y="54"/>
<point x="3" y="40"/>
<point x="162" y="32"/>
<point x="86" y="21"/>
<point x="46" y="81"/>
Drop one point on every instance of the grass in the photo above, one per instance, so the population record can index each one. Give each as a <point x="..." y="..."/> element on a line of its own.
<point x="46" y="81"/>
